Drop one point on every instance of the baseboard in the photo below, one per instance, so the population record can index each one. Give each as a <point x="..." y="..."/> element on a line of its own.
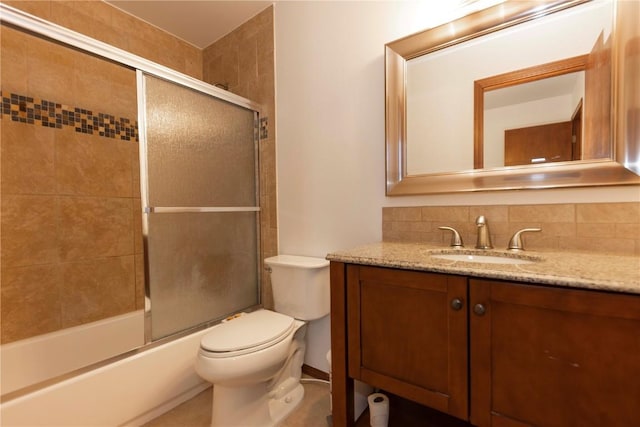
<point x="315" y="373"/>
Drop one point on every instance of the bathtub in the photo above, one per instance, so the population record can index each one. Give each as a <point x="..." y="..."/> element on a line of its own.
<point x="128" y="392"/>
<point x="32" y="360"/>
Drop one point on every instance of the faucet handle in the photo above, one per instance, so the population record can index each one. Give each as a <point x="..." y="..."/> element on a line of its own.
<point x="515" y="244"/>
<point x="456" y="240"/>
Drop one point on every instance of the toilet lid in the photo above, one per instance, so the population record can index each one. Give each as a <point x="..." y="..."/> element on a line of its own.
<point x="257" y="329"/>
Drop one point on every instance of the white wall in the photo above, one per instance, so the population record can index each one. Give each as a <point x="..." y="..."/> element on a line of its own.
<point x="330" y="130"/>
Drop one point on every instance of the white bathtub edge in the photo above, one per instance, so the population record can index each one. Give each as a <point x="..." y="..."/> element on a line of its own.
<point x="114" y="394"/>
<point x="36" y="359"/>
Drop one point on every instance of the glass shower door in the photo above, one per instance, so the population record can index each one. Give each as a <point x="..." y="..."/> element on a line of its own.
<point x="200" y="194"/>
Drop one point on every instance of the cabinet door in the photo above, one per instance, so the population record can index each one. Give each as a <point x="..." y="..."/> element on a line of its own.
<point x="553" y="357"/>
<point x="407" y="336"/>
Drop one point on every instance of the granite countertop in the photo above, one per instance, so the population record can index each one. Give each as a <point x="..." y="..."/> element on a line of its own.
<point x="576" y="270"/>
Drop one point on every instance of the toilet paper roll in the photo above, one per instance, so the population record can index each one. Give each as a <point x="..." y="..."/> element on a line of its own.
<point x="378" y="410"/>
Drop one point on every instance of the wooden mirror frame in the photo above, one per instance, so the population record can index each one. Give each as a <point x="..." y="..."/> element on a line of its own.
<point x="562" y="174"/>
<point x="539" y="72"/>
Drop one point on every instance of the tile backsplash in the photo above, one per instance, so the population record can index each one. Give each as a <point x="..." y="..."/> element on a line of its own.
<point x="609" y="228"/>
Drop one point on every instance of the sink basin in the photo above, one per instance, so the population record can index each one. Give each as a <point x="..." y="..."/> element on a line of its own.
<point x="483" y="259"/>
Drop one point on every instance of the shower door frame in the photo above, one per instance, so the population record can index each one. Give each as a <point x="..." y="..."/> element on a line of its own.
<point x="35" y="25"/>
<point x="147" y="209"/>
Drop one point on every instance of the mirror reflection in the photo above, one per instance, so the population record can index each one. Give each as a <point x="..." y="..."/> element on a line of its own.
<point x="440" y="130"/>
<point x="535" y="122"/>
<point x="543" y="114"/>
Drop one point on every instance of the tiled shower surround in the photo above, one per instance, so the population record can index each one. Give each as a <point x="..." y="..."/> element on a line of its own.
<point x="101" y="21"/>
<point x="71" y="209"/>
<point x="607" y="228"/>
<point x="71" y="221"/>
<point x="243" y="61"/>
<point x="41" y="112"/>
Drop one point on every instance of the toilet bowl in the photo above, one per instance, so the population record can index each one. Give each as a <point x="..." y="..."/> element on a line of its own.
<point x="254" y="360"/>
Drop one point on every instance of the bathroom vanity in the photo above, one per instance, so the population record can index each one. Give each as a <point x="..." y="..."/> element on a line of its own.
<point x="551" y="342"/>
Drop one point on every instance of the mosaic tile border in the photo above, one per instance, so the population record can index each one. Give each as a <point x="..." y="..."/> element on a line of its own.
<point x="35" y="111"/>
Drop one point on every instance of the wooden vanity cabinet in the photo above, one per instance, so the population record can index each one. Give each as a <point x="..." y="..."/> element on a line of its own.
<point x="508" y="354"/>
<point x="407" y="334"/>
<point x="555" y="357"/>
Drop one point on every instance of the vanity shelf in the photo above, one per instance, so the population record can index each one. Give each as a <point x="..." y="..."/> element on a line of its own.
<point x="410" y="414"/>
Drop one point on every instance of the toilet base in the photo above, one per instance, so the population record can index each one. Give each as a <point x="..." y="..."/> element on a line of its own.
<point x="265" y="403"/>
<point x="253" y="406"/>
<point x="281" y="408"/>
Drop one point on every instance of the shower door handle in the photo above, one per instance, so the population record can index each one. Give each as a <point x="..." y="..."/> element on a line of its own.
<point x="199" y="209"/>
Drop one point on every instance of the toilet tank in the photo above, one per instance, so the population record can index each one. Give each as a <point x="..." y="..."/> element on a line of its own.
<point x="300" y="286"/>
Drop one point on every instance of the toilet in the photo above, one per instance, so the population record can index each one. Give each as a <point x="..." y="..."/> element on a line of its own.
<point x="254" y="360"/>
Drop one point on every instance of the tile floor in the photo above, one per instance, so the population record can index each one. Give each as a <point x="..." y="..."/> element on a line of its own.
<point x="312" y="412"/>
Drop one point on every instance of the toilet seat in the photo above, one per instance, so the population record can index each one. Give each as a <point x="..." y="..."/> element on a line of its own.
<point x="246" y="334"/>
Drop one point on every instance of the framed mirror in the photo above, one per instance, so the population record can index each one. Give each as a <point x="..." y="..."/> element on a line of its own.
<point x="439" y="81"/>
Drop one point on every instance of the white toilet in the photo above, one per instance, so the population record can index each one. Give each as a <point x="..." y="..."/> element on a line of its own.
<point x="254" y="361"/>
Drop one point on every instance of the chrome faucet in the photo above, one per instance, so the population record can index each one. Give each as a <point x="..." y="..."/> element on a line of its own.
<point x="484" y="238"/>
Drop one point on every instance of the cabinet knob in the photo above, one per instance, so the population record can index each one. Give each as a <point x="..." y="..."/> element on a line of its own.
<point x="479" y="309"/>
<point x="456" y="304"/>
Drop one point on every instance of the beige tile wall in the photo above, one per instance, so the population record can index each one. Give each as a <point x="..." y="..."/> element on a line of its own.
<point x="106" y="23"/>
<point x="71" y="216"/>
<point x="244" y="62"/>
<point x="612" y="228"/>
<point x="71" y="225"/>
